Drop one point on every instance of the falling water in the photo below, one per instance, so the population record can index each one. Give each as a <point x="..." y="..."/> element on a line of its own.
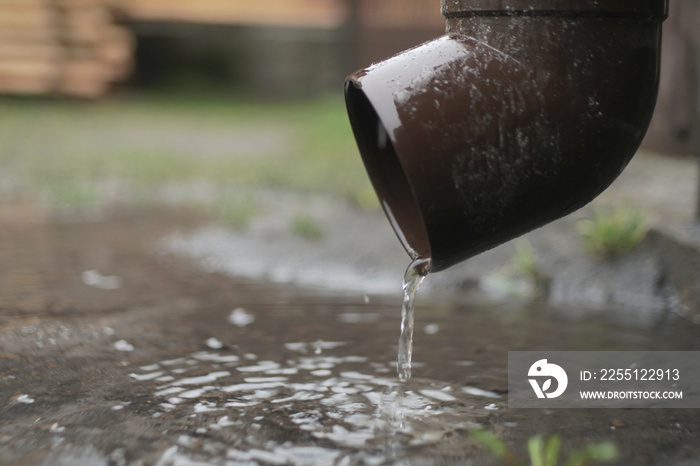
<point x="414" y="276"/>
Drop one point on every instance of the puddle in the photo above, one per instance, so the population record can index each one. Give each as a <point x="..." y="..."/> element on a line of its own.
<point x="183" y="367"/>
<point x="310" y="378"/>
<point x="354" y="405"/>
<point x="301" y="383"/>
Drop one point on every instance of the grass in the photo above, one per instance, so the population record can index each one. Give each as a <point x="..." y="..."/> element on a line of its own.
<point x="234" y="211"/>
<point x="612" y="231"/>
<point x="305" y="226"/>
<point x="543" y="452"/>
<point x="140" y="149"/>
<point x="524" y="262"/>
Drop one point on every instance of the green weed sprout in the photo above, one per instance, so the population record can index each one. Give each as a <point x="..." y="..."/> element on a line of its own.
<point x="236" y="212"/>
<point x="305" y="226"/>
<point x="545" y="453"/>
<point x="524" y="262"/>
<point x="612" y="231"/>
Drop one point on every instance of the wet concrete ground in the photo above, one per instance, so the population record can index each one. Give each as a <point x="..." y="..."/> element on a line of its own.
<point x="113" y="351"/>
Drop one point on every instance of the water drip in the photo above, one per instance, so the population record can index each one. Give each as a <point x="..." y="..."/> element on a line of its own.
<point x="414" y="276"/>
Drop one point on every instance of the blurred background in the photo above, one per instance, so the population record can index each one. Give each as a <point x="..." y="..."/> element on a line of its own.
<point x="137" y="135"/>
<point x="134" y="101"/>
<point x="123" y="102"/>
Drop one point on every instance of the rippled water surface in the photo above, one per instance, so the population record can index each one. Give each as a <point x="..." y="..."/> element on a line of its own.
<point x="313" y="380"/>
<point x="285" y="376"/>
<point x="326" y="400"/>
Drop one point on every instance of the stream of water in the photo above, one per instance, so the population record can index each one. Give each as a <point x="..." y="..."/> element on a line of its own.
<point x="414" y="276"/>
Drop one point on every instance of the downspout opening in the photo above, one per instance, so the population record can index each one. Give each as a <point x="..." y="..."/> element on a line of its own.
<point x="387" y="173"/>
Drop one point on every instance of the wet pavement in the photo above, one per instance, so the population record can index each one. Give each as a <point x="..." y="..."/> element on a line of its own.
<point x="117" y="352"/>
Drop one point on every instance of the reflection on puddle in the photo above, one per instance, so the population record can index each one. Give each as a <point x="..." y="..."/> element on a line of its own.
<point x="345" y="403"/>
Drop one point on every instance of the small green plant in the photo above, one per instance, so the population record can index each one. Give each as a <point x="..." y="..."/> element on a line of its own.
<point x="71" y="196"/>
<point x="612" y="231"/>
<point x="306" y="227"/>
<point x="235" y="212"/>
<point x="545" y="453"/>
<point x="524" y="262"/>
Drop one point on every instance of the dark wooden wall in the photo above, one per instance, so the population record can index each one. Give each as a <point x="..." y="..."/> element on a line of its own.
<point x="673" y="128"/>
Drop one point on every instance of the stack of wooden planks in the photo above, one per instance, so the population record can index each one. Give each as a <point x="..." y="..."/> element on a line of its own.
<point x="64" y="47"/>
<point x="324" y="14"/>
<point x="77" y="48"/>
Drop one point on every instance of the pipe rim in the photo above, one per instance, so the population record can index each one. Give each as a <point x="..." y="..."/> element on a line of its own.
<point x="640" y="9"/>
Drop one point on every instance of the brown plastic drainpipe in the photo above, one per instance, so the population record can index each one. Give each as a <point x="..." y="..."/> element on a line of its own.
<point x="522" y="113"/>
